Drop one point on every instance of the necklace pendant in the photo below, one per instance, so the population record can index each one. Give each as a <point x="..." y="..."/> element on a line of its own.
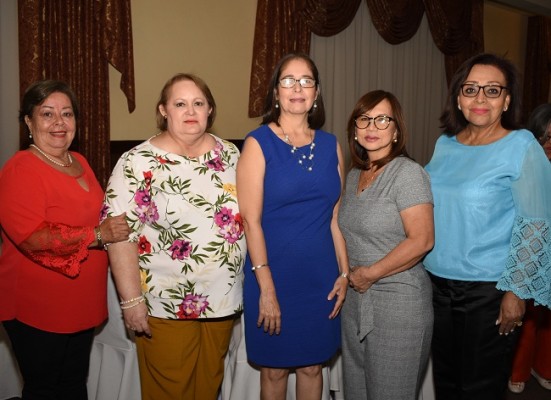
<point x="301" y="157"/>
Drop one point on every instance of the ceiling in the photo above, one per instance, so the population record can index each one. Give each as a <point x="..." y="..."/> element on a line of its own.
<point x="539" y="7"/>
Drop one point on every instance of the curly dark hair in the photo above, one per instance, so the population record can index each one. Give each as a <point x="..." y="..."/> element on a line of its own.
<point x="35" y="95"/>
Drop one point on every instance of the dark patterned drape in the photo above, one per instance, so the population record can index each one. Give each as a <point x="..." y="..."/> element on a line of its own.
<point x="538" y="64"/>
<point x="457" y="28"/>
<point x="283" y="26"/>
<point x="74" y="41"/>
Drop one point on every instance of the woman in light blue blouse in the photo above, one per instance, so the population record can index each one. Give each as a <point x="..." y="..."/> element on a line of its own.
<point x="492" y="208"/>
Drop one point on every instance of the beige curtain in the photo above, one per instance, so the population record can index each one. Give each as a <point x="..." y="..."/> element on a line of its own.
<point x="74" y="41"/>
<point x="358" y="60"/>
<point x="284" y="25"/>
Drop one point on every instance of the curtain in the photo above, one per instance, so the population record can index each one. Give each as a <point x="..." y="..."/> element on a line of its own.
<point x="74" y="41"/>
<point x="538" y="64"/>
<point x="283" y="26"/>
<point x="358" y="60"/>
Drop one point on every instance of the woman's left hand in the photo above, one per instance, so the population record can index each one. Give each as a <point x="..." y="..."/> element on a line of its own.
<point x="511" y="313"/>
<point x="339" y="290"/>
<point x="359" y="280"/>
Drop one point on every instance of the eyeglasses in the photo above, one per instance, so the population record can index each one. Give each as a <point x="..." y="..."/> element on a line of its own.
<point x="490" y="91"/>
<point x="381" y="122"/>
<point x="545" y="138"/>
<point x="289" y="82"/>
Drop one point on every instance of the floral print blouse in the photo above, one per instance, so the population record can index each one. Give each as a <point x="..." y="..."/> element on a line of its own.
<point x="184" y="216"/>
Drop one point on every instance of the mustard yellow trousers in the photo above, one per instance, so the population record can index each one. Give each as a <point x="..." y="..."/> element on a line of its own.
<point x="183" y="360"/>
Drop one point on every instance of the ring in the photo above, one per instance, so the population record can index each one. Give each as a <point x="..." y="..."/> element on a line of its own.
<point x="518" y="323"/>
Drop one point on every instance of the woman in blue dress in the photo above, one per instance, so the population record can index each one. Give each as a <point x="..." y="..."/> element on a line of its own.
<point x="492" y="211"/>
<point x="289" y="184"/>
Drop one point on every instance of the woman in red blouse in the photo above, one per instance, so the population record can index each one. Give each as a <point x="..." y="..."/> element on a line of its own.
<point x="53" y="269"/>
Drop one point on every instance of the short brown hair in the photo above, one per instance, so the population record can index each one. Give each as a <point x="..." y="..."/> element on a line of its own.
<point x="162" y="124"/>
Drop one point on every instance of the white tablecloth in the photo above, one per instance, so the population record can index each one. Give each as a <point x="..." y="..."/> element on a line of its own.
<point x="113" y="362"/>
<point x="242" y="381"/>
<point x="114" y="371"/>
<point x="114" y="367"/>
<point x="10" y="381"/>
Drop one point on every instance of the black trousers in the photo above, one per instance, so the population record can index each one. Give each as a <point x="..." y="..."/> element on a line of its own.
<point x="54" y="366"/>
<point x="471" y="360"/>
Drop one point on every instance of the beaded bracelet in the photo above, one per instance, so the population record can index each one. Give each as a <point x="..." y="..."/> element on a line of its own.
<point x="133" y="305"/>
<point x="131" y="300"/>
<point x="259" y="266"/>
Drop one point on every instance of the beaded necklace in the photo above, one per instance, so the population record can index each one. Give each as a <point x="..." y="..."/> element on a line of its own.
<point x="51" y="159"/>
<point x="305" y="161"/>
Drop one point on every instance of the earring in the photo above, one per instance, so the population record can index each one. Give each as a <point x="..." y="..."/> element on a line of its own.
<point x="165" y="116"/>
<point x="315" y="104"/>
<point x="459" y="106"/>
<point x="395" y="140"/>
<point x="30" y="135"/>
<point x="277" y="105"/>
<point x="505" y="108"/>
<point x="355" y="138"/>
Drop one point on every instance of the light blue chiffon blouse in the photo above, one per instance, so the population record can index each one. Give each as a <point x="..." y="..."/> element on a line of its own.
<point x="492" y="211"/>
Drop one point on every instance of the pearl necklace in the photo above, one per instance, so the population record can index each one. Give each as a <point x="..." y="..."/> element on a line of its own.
<point x="303" y="159"/>
<point x="52" y="160"/>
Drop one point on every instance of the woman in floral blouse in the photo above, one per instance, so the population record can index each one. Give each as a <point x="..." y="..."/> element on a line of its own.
<point x="180" y="276"/>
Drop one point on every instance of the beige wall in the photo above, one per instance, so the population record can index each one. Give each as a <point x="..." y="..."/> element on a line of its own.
<point x="210" y="38"/>
<point x="213" y="39"/>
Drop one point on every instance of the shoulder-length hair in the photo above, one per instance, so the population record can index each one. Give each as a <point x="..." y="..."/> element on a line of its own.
<point x="452" y="119"/>
<point x="162" y="123"/>
<point x="359" y="155"/>
<point x="37" y="92"/>
<point x="316" y="115"/>
<point x="539" y="121"/>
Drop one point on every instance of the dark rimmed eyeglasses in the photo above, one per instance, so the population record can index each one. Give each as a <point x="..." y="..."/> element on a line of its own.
<point x="289" y="82"/>
<point x="490" y="91"/>
<point x="381" y="122"/>
<point x="545" y="138"/>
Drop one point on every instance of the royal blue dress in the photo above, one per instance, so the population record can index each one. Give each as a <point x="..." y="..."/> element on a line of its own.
<point x="296" y="218"/>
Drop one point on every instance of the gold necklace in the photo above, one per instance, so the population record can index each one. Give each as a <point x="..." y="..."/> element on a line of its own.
<point x="51" y="159"/>
<point x="368" y="179"/>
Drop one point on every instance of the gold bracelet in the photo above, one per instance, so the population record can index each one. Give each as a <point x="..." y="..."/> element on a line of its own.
<point x="133" y="304"/>
<point x="259" y="266"/>
<point x="97" y="231"/>
<point x="123" y="302"/>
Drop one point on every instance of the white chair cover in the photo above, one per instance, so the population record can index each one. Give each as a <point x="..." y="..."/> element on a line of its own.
<point x="242" y="381"/>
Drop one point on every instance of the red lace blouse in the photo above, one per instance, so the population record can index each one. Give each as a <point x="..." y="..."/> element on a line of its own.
<point x="49" y="278"/>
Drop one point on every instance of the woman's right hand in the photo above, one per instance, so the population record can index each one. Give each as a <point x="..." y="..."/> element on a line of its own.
<point x="135" y="319"/>
<point x="114" y="229"/>
<point x="269" y="313"/>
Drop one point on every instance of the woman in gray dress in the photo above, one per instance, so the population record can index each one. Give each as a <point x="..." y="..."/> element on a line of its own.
<point x="386" y="218"/>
